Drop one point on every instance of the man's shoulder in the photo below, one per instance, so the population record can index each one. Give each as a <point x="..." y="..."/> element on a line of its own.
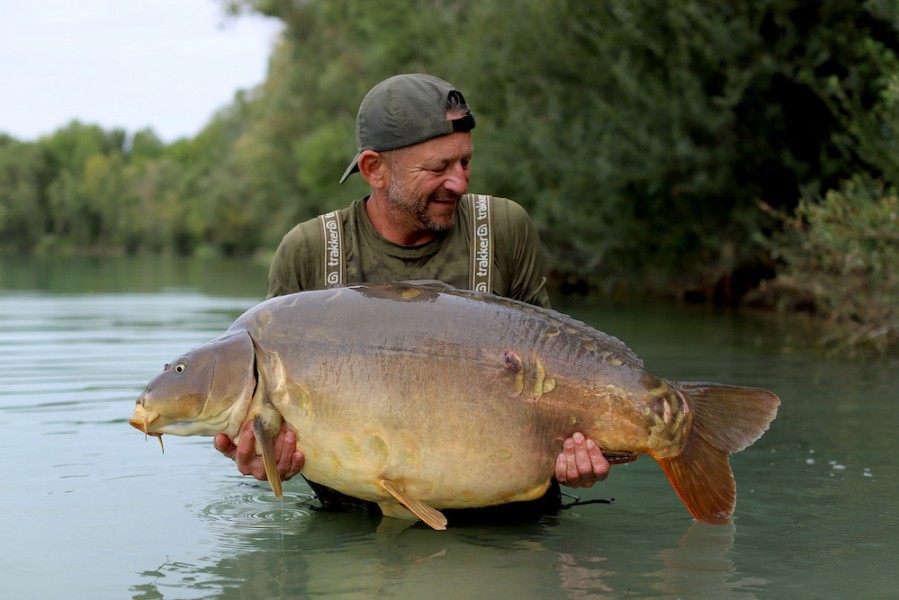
<point x="309" y="232"/>
<point x="302" y="235"/>
<point x="508" y="218"/>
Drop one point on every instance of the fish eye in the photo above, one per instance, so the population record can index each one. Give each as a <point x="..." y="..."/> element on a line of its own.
<point x="180" y="368"/>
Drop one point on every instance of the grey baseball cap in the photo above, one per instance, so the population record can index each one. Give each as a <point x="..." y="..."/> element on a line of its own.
<point x="404" y="110"/>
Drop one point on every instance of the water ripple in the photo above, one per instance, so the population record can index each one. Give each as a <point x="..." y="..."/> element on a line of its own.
<point x="256" y="509"/>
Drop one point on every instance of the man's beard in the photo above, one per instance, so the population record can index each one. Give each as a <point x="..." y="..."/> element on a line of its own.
<point x="413" y="210"/>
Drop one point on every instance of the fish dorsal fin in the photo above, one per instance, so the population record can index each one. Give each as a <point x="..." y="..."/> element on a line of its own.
<point x="433" y="517"/>
<point x="430" y="283"/>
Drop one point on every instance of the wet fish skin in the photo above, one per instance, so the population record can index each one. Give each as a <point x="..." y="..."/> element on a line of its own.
<point x="421" y="398"/>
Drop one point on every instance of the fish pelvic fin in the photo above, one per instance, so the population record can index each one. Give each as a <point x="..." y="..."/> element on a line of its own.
<point x="266" y="427"/>
<point x="430" y="515"/>
<point x="726" y="419"/>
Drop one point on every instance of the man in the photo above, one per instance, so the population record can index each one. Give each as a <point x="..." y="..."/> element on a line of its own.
<point x="413" y="135"/>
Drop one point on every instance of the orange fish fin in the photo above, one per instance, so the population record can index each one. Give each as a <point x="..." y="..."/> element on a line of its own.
<point x="433" y="517"/>
<point x="730" y="417"/>
<point x="618" y="458"/>
<point x="702" y="478"/>
<point x="726" y="419"/>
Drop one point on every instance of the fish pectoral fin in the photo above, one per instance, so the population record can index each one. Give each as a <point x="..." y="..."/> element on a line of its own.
<point x="433" y="517"/>
<point x="266" y="427"/>
<point x="619" y="457"/>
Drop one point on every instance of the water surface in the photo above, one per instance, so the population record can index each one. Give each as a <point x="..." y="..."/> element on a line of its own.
<point x="90" y="510"/>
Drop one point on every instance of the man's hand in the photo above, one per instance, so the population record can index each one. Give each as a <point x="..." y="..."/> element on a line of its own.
<point x="290" y="460"/>
<point x="581" y="463"/>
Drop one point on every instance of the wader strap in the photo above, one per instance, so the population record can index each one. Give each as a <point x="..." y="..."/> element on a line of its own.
<point x="481" y="245"/>
<point x="335" y="264"/>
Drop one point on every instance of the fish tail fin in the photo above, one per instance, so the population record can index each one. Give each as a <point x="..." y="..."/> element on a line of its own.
<point x="726" y="419"/>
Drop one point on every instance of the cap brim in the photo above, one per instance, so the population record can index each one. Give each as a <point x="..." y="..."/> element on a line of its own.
<point x="353" y="168"/>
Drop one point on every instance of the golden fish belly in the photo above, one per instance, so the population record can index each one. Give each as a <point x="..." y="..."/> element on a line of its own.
<point x="449" y="436"/>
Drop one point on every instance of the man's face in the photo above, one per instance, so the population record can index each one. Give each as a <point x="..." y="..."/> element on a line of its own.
<point x="428" y="179"/>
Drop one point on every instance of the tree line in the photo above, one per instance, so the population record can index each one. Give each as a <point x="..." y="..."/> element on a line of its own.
<point x="718" y="151"/>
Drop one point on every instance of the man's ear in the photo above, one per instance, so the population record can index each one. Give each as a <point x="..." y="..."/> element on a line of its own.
<point x="373" y="169"/>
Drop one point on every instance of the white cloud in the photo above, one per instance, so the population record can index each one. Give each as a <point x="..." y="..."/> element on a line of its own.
<point x="165" y="64"/>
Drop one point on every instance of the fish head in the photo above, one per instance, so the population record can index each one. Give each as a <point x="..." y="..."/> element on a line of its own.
<point x="204" y="392"/>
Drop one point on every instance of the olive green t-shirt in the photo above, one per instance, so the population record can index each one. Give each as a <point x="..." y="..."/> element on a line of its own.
<point x="517" y="260"/>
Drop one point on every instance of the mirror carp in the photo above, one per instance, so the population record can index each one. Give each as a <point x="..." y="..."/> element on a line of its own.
<point x="420" y="398"/>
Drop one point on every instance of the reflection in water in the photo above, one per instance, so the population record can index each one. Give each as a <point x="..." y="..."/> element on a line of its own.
<point x="700" y="566"/>
<point x="271" y="550"/>
<point x="295" y="552"/>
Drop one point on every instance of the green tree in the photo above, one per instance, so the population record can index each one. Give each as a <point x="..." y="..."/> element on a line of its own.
<point x="22" y="217"/>
<point x="639" y="134"/>
<point x="841" y="252"/>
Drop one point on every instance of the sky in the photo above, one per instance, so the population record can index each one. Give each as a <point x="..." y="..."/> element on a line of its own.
<point x="164" y="64"/>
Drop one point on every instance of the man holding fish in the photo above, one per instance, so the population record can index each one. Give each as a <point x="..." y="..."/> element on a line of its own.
<point x="414" y="147"/>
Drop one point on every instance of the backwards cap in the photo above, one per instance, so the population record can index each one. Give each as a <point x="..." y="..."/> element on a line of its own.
<point x="405" y="110"/>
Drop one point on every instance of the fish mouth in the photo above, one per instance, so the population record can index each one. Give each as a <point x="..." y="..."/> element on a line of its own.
<point x="141" y="420"/>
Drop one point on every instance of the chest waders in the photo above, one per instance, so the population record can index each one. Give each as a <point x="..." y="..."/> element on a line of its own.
<point x="480" y="269"/>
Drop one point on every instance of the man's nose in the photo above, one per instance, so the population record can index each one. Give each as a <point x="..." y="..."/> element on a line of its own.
<point x="457" y="179"/>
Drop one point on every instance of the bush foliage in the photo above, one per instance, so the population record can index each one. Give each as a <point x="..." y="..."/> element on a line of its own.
<point x="641" y="135"/>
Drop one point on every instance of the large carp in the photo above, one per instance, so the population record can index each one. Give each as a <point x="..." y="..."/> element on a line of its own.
<point x="421" y="398"/>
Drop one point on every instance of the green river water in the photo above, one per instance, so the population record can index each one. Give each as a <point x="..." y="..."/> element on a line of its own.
<point x="88" y="509"/>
